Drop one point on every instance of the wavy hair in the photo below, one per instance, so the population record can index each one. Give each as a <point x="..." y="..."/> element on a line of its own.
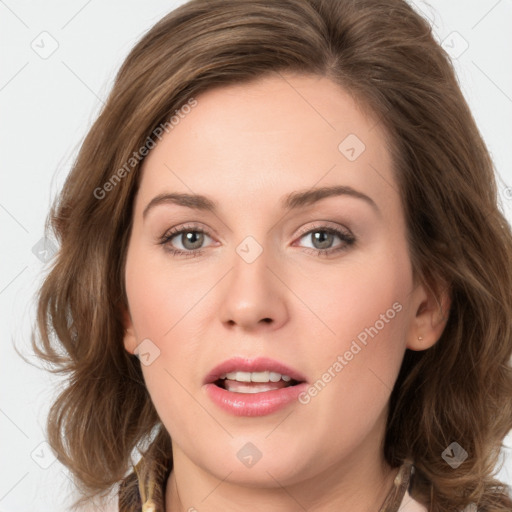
<point x="384" y="54"/>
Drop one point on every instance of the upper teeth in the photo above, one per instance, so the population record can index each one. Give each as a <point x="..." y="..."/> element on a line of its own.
<point x="266" y="376"/>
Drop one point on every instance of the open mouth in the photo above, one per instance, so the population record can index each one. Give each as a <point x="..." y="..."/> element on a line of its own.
<point x="254" y="382"/>
<point x="254" y="387"/>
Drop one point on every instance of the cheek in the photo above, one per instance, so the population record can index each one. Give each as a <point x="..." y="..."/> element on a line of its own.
<point x="362" y="301"/>
<point x="357" y="358"/>
<point x="159" y="296"/>
<point x="166" y="309"/>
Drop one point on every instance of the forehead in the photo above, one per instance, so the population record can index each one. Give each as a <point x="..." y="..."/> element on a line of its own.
<point x="260" y="140"/>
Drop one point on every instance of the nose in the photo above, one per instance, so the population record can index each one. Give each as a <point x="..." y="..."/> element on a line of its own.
<point x="254" y="296"/>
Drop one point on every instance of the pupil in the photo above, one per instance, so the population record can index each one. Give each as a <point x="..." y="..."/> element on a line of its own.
<point x="324" y="238"/>
<point x="194" y="238"/>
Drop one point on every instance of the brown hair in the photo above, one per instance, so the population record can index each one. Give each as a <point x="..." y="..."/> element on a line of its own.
<point x="383" y="53"/>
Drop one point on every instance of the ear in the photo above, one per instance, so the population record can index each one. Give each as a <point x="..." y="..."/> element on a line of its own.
<point x="432" y="308"/>
<point x="130" y="337"/>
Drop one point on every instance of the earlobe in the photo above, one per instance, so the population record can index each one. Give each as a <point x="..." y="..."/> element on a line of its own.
<point x="129" y="338"/>
<point x="432" y="311"/>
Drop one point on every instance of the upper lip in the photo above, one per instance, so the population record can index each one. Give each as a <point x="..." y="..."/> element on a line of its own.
<point x="245" y="364"/>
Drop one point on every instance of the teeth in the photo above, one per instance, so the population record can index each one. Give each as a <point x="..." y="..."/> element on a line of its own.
<point x="246" y="390"/>
<point x="239" y="376"/>
<point x="260" y="376"/>
<point x="274" y="377"/>
<point x="266" y="376"/>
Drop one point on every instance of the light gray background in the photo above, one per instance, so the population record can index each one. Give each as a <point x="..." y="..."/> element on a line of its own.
<point x="47" y="104"/>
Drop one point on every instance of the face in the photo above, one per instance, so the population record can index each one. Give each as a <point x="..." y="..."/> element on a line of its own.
<point x="272" y="313"/>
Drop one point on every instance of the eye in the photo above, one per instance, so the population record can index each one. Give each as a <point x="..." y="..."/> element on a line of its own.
<point x="189" y="241"/>
<point x="323" y="240"/>
<point x="186" y="241"/>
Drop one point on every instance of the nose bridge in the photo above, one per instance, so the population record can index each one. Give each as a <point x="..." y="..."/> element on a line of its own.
<point x="253" y="295"/>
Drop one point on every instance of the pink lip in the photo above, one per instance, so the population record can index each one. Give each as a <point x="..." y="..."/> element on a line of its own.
<point x="255" y="404"/>
<point x="252" y="365"/>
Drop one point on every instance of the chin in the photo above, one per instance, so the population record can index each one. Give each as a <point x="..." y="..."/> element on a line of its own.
<point x="255" y="462"/>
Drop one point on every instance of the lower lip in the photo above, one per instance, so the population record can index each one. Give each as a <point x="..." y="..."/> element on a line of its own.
<point x="254" y="404"/>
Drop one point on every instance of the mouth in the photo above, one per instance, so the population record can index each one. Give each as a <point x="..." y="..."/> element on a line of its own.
<point x="254" y="382"/>
<point x="253" y="387"/>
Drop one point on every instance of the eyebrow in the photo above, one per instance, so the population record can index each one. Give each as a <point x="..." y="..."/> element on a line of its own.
<point x="292" y="201"/>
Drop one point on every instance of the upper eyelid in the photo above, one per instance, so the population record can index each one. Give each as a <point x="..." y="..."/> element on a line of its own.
<point x="186" y="227"/>
<point x="322" y="224"/>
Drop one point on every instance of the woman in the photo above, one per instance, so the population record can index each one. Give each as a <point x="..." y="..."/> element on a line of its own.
<point x="283" y="276"/>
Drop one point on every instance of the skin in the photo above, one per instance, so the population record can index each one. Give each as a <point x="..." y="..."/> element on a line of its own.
<point x="246" y="147"/>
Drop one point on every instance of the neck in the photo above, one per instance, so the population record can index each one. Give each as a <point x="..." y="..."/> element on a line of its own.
<point x="359" y="483"/>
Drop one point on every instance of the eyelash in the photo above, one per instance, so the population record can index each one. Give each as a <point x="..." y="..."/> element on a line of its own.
<point x="347" y="240"/>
